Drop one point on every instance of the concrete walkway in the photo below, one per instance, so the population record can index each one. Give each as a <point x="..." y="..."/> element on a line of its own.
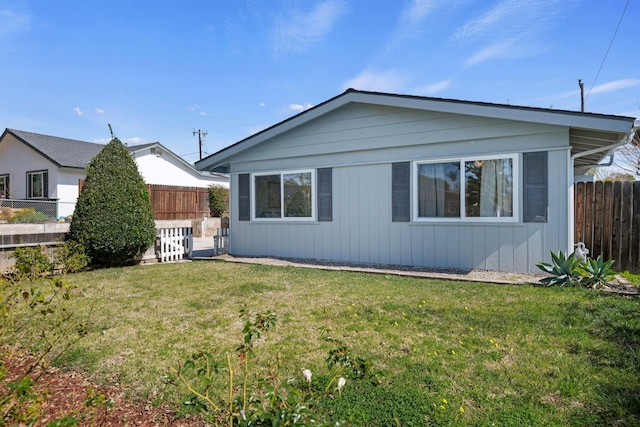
<point x="202" y="247"/>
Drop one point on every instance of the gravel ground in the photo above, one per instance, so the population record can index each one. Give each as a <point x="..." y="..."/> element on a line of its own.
<point x="486" y="276"/>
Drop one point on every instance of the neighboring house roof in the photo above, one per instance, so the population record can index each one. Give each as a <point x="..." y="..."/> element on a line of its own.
<point x="589" y="132"/>
<point x="63" y="152"/>
<point x="142" y="147"/>
<point x="71" y="153"/>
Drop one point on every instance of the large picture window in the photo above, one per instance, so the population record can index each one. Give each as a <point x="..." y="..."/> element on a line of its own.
<point x="468" y="188"/>
<point x="37" y="185"/>
<point x="4" y="186"/>
<point x="287" y="195"/>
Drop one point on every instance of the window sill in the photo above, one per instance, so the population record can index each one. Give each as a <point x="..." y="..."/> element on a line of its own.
<point x="469" y="223"/>
<point x="284" y="221"/>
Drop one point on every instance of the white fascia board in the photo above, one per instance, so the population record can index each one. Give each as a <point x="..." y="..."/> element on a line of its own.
<point x="225" y="154"/>
<point x="526" y="114"/>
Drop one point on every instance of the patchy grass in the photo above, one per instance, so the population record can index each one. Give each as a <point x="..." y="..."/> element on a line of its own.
<point x="448" y="353"/>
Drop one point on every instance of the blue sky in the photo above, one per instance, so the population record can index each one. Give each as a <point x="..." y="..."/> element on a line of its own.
<point x="157" y="70"/>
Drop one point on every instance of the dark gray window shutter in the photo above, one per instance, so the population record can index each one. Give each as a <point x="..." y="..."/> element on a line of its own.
<point x="45" y="184"/>
<point x="400" y="179"/>
<point x="535" y="186"/>
<point x="325" y="195"/>
<point x="244" y="197"/>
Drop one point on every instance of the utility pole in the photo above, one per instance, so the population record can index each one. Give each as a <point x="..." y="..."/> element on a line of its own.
<point x="581" y="95"/>
<point x="201" y="135"/>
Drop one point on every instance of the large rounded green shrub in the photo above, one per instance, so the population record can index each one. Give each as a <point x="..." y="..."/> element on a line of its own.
<point x="113" y="218"/>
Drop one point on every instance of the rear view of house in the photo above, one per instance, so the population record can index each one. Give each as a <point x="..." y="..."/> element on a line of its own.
<point x="380" y="178"/>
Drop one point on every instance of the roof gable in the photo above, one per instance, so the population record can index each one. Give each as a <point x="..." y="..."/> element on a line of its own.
<point x="588" y="131"/>
<point x="63" y="152"/>
<point x="134" y="149"/>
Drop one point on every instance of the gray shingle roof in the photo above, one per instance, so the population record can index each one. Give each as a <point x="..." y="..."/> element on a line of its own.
<point x="66" y="153"/>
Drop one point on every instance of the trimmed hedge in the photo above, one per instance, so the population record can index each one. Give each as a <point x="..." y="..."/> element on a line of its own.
<point x="113" y="218"/>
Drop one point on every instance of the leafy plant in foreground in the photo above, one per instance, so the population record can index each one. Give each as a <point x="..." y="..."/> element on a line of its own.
<point x="31" y="261"/>
<point x="564" y="270"/>
<point x="270" y="401"/>
<point x="37" y="326"/>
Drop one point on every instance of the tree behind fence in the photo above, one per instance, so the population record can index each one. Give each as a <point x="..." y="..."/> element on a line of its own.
<point x="607" y="220"/>
<point x="173" y="202"/>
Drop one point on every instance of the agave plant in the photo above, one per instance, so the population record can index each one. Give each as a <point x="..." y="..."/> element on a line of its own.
<point x="565" y="270"/>
<point x="597" y="273"/>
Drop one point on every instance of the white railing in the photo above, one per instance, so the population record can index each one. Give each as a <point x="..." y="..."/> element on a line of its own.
<point x="221" y="242"/>
<point x="175" y="244"/>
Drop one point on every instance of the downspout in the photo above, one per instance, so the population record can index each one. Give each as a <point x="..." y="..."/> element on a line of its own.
<point x="571" y="215"/>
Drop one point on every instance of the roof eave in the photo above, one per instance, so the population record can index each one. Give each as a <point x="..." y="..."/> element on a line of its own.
<point x="19" y="138"/>
<point x="571" y="119"/>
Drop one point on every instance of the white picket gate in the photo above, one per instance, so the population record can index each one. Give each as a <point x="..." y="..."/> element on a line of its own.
<point x="175" y="244"/>
<point x="221" y="242"/>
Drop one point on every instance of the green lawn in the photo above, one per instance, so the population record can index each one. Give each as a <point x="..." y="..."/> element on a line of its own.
<point x="446" y="353"/>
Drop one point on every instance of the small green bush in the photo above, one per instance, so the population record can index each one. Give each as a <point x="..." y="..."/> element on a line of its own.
<point x="113" y="218"/>
<point x="70" y="257"/>
<point x="218" y="200"/>
<point x="27" y="216"/>
<point x="31" y="261"/>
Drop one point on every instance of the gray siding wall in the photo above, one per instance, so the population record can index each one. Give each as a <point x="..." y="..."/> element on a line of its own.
<point x="360" y="144"/>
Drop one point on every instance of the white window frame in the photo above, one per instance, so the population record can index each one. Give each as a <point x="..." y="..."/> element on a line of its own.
<point x="284" y="218"/>
<point x="516" y="161"/>
<point x="45" y="184"/>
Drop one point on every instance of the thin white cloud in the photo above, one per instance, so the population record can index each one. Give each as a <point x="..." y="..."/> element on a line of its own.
<point x="78" y="111"/>
<point x="489" y="20"/>
<point x="262" y="104"/>
<point x="615" y="85"/>
<point x="416" y="12"/>
<point x="603" y="88"/>
<point x="387" y="81"/>
<point x="433" y="88"/>
<point x="298" y="31"/>
<point x="13" y="22"/>
<point x="409" y="26"/>
<point x="501" y="49"/>
<point x="202" y="113"/>
<point x="300" y="107"/>
<point x="99" y="111"/>
<point x="510" y="29"/>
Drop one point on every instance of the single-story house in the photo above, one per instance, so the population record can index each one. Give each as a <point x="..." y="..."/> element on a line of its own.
<point x="42" y="167"/>
<point x="379" y="178"/>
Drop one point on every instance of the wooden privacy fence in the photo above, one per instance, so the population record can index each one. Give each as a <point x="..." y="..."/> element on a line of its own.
<point x="173" y="202"/>
<point x="607" y="220"/>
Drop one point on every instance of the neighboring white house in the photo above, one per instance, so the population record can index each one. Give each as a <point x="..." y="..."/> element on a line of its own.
<point x="381" y="178"/>
<point x="43" y="167"/>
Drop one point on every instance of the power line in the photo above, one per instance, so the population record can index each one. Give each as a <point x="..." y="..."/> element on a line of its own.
<point x="608" y="49"/>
